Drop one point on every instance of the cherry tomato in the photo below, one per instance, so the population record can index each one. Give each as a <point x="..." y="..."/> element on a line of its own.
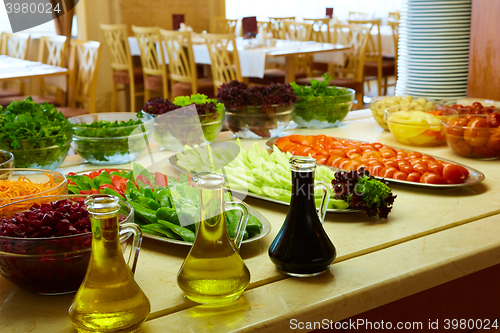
<point x="290" y="147"/>
<point x="302" y="150"/>
<point x="387" y="172"/>
<point x="321" y="159"/>
<point x="400" y="175"/>
<point x="405" y="166"/>
<point x="461" y="147"/>
<point x="414" y="177"/>
<point x="401" y="153"/>
<point x="431" y="178"/>
<point x="282" y="142"/>
<point x="493" y="119"/>
<point x="338" y="152"/>
<point x="455" y="126"/>
<point x="436" y="168"/>
<point x="494" y="141"/>
<point x="475" y="133"/>
<point x="300" y="139"/>
<point x="375" y="169"/>
<point x="391" y="163"/>
<point x="414" y="154"/>
<point x="454" y="174"/>
<point x="421" y="168"/>
<point x="484" y="152"/>
<point x="332" y="159"/>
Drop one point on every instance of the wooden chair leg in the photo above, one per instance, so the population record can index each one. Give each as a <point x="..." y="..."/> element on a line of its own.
<point x="132" y="97"/>
<point x="386" y="85"/>
<point x="114" y="93"/>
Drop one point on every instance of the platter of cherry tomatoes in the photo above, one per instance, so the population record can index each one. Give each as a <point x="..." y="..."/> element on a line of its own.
<point x="393" y="164"/>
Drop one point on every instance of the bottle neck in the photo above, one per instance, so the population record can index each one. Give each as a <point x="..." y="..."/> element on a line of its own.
<point x="303" y="186"/>
<point x="211" y="205"/>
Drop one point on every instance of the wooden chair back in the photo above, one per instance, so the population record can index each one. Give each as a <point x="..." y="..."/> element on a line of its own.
<point x="224" y="58"/>
<point x="222" y="25"/>
<point x="394" y="16"/>
<point x="52" y="50"/>
<point x="354" y="59"/>
<point x="359" y="16"/>
<point x="320" y="27"/>
<point x="152" y="56"/>
<point x="116" y="38"/>
<point x="180" y="57"/>
<point x="394" y="24"/>
<point x="83" y="63"/>
<point x="14" y="45"/>
<point x="265" y="25"/>
<point x="277" y="25"/>
<point x="298" y="31"/>
<point x="374" y="46"/>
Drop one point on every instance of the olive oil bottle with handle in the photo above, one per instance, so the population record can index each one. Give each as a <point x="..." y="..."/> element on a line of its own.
<point x="213" y="271"/>
<point x="109" y="299"/>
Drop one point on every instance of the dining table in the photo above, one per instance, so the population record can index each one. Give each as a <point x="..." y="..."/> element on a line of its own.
<point x="432" y="236"/>
<point x="253" y="56"/>
<point x="12" y="69"/>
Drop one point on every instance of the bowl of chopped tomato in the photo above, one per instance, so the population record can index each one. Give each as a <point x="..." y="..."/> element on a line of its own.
<point x="18" y="183"/>
<point x="45" y="247"/>
<point x="474" y="135"/>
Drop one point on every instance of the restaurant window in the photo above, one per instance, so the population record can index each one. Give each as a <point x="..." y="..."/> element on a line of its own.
<point x="308" y="9"/>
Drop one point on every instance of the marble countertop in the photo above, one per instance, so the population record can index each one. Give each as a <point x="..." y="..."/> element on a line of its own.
<point x="432" y="236"/>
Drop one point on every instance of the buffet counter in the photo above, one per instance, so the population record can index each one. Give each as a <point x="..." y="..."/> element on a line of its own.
<point x="432" y="236"/>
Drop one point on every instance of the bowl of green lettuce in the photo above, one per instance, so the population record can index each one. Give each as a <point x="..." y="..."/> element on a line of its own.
<point x="112" y="137"/>
<point x="320" y="105"/>
<point x="37" y="134"/>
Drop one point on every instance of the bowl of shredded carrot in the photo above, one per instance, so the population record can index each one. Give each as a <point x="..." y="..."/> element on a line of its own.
<point x="18" y="184"/>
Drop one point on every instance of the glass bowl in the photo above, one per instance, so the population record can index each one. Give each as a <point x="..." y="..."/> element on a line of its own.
<point x="173" y="132"/>
<point x="378" y="106"/>
<point x="43" y="153"/>
<point x="50" y="265"/>
<point x="113" y="145"/>
<point x="470" y="105"/>
<point x="468" y="136"/>
<point x="258" y="122"/>
<point x="10" y="200"/>
<point x="6" y="160"/>
<point x="415" y="128"/>
<point x="323" y="111"/>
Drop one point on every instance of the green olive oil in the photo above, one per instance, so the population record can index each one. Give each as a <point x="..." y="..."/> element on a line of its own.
<point x="213" y="272"/>
<point x="109" y="299"/>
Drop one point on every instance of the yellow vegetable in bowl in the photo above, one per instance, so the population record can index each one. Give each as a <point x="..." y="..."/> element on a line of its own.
<point x="416" y="128"/>
<point x="378" y="105"/>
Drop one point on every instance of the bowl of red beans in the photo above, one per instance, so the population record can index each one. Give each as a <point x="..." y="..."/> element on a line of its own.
<point x="45" y="249"/>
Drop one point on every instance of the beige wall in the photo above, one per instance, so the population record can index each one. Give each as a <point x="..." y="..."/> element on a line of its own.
<point x="91" y="13"/>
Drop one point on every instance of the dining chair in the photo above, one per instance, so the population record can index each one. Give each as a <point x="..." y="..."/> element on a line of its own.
<point x="394" y="24"/>
<point x="298" y="31"/>
<point x="277" y="25"/>
<point x="13" y="45"/>
<point x="225" y="62"/>
<point x="122" y="66"/>
<point x="184" y="79"/>
<point x="351" y="72"/>
<point x="154" y="68"/>
<point x="51" y="51"/>
<point x="354" y="15"/>
<point x="222" y="25"/>
<point x="265" y="26"/>
<point x="82" y="82"/>
<point x="395" y="15"/>
<point x="320" y="27"/>
<point x="375" y="66"/>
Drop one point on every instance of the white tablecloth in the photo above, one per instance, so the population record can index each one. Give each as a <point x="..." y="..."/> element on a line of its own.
<point x="252" y="57"/>
<point x="10" y="66"/>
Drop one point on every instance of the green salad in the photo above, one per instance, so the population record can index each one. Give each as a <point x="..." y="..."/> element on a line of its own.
<point x="108" y="142"/>
<point x="37" y="134"/>
<point x="320" y="105"/>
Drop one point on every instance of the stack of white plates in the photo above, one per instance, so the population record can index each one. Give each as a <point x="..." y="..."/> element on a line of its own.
<point x="434" y="48"/>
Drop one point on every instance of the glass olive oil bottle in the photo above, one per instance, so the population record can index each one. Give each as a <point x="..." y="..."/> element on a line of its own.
<point x="109" y="299"/>
<point x="213" y="271"/>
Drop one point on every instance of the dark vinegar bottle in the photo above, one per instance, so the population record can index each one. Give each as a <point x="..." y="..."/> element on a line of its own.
<point x="302" y="248"/>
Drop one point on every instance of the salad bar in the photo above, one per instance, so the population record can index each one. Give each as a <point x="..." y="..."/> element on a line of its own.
<point x="408" y="230"/>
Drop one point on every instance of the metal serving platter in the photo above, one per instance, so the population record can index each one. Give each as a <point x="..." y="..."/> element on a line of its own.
<point x="173" y="160"/>
<point x="474" y="178"/>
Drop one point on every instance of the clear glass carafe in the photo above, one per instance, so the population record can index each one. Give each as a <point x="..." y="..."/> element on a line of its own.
<point x="302" y="248"/>
<point x="109" y="299"/>
<point x="213" y="271"/>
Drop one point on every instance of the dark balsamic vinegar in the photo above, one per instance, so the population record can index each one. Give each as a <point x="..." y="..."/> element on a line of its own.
<point x="302" y="247"/>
